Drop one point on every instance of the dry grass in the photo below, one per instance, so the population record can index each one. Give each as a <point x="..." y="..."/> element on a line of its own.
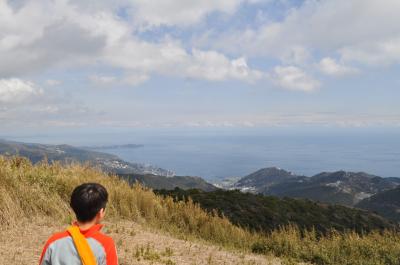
<point x="335" y="248"/>
<point x="136" y="244"/>
<point x="42" y="192"/>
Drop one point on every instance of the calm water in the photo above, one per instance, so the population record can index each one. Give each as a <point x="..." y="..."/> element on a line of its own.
<point x="223" y="153"/>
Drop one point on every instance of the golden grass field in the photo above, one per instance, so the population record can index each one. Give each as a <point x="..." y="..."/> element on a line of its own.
<point x="149" y="229"/>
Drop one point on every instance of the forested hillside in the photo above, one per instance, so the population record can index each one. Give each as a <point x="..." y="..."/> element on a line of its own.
<point x="268" y="213"/>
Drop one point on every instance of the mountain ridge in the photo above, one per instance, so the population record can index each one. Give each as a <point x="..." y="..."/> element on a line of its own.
<point x="169" y="183"/>
<point x="341" y="187"/>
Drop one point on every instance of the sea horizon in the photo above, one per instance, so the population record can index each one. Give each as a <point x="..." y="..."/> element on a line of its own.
<point x="215" y="153"/>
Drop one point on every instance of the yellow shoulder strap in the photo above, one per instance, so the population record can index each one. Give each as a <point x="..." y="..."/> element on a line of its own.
<point x="82" y="246"/>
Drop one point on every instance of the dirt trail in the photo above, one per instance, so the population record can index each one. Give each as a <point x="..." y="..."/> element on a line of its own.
<point x="135" y="245"/>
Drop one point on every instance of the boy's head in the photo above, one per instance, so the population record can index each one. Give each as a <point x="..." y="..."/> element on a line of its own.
<point x="89" y="201"/>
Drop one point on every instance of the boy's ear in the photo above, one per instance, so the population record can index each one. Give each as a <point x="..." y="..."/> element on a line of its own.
<point x="102" y="213"/>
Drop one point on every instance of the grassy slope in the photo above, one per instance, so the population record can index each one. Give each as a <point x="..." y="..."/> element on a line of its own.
<point x="136" y="244"/>
<point x="28" y="191"/>
<point x="42" y="191"/>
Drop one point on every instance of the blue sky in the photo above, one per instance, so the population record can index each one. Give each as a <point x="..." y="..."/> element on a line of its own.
<point x="68" y="65"/>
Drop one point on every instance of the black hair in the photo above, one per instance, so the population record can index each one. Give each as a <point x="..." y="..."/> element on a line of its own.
<point x="87" y="200"/>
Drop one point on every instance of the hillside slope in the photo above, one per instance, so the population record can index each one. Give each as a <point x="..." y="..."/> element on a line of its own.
<point x="386" y="204"/>
<point x="29" y="194"/>
<point x="268" y="213"/>
<point x="32" y="196"/>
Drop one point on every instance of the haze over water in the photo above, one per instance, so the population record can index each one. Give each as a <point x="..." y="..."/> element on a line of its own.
<point x="220" y="153"/>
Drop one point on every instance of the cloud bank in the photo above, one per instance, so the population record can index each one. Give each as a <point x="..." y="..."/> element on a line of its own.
<point x="48" y="45"/>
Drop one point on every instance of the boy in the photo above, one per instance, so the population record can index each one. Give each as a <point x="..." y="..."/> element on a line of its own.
<point x="83" y="243"/>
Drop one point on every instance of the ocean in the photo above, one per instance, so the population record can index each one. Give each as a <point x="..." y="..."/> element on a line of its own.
<point x="220" y="153"/>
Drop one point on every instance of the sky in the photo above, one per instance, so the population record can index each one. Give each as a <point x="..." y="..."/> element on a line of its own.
<point x="96" y="64"/>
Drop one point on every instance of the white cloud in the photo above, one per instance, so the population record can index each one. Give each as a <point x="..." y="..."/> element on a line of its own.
<point x="57" y="33"/>
<point x="330" y="67"/>
<point x="140" y="59"/>
<point x="148" y="14"/>
<point x="102" y="79"/>
<point x="24" y="103"/>
<point x="135" y="79"/>
<point x="53" y="82"/>
<point x="178" y="12"/>
<point x="296" y="55"/>
<point x="382" y="52"/>
<point x="153" y="13"/>
<point x="216" y="67"/>
<point x="293" y="78"/>
<point x="14" y="90"/>
<point x="43" y="34"/>
<point x="40" y="34"/>
<point x="132" y="79"/>
<point x="366" y="31"/>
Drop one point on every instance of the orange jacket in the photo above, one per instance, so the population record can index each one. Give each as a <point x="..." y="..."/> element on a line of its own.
<point x="60" y="248"/>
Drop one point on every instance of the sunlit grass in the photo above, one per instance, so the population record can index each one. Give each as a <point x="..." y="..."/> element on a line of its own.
<point x="43" y="190"/>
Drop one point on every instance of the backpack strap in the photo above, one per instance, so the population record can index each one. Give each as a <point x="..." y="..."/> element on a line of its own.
<point x="82" y="246"/>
